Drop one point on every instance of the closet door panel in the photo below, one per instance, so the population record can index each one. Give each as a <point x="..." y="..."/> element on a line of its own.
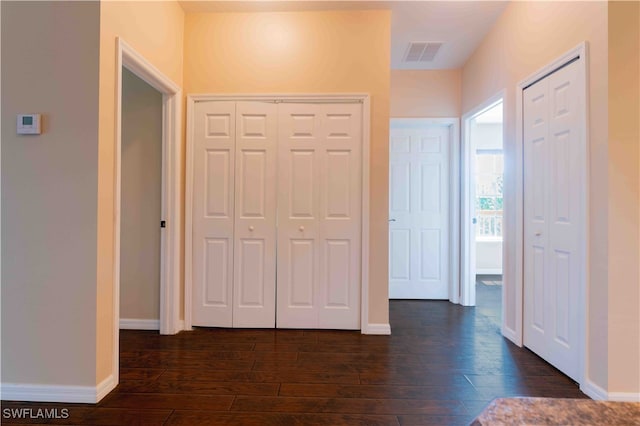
<point x="340" y="220"/>
<point x="213" y="213"/>
<point x="319" y="223"/>
<point x="255" y="215"/>
<point x="553" y="184"/>
<point x="298" y="209"/>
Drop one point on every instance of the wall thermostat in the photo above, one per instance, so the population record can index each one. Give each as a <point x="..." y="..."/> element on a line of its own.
<point x="28" y="124"/>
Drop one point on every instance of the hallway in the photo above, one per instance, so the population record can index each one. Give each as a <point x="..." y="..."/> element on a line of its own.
<point x="440" y="366"/>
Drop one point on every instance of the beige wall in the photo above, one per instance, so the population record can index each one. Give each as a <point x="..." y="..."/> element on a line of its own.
<point x="526" y="37"/>
<point x="49" y="66"/>
<point x="519" y="45"/>
<point x="155" y="30"/>
<point x="426" y="93"/>
<point x="141" y="199"/>
<point x="305" y="52"/>
<point x="624" y="197"/>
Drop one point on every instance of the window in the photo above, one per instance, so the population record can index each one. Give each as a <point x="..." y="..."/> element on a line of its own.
<point x="489" y="193"/>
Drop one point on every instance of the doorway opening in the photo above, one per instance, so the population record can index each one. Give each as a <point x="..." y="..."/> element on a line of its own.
<point x="140" y="208"/>
<point x="483" y="162"/>
<point x="170" y="194"/>
<point x="424" y="209"/>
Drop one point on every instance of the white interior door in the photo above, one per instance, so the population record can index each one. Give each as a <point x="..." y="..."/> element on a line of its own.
<point x="419" y="212"/>
<point x="553" y="186"/>
<point x="254" y="278"/>
<point x="319" y="216"/>
<point x="213" y="213"/>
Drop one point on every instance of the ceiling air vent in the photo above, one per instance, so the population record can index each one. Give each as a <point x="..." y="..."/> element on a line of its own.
<point x="422" y="51"/>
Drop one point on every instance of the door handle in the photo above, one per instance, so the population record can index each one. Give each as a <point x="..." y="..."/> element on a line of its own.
<point x="538" y="233"/>
<point x="474" y="220"/>
<point x="392" y="220"/>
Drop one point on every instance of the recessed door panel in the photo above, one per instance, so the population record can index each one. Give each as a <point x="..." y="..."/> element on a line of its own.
<point x="430" y="186"/>
<point x="216" y="255"/>
<point x="337" y="193"/>
<point x="218" y="183"/>
<point x="400" y="261"/>
<point x="302" y="185"/>
<point x="218" y="125"/>
<point x="252" y="273"/>
<point x="301" y="276"/>
<point x="337" y="272"/>
<point x="539" y="288"/>
<point x="253" y="125"/>
<point x="303" y="125"/>
<point x="431" y="144"/>
<point x="253" y="183"/>
<point x="431" y="250"/>
<point x="339" y="125"/>
<point x="401" y="183"/>
<point x="562" y="176"/>
<point x="538" y="177"/>
<point x="562" y="286"/>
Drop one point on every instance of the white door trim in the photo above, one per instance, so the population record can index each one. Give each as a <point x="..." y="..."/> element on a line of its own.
<point x="580" y="53"/>
<point x="467" y="201"/>
<point x="364" y="99"/>
<point x="129" y="58"/>
<point x="454" y="196"/>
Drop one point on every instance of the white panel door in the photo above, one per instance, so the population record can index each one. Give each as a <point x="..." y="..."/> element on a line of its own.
<point x="419" y="212"/>
<point x="553" y="186"/>
<point x="213" y="213"/>
<point x="319" y="216"/>
<point x="254" y="283"/>
<point x="340" y="216"/>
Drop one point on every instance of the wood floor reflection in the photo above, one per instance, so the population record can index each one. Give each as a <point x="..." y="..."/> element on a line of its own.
<point x="440" y="366"/>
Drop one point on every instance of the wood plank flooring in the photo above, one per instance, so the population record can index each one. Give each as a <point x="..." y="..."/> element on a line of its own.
<point x="440" y="366"/>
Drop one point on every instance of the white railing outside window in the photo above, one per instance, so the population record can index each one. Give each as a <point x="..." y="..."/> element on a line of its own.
<point x="489" y="194"/>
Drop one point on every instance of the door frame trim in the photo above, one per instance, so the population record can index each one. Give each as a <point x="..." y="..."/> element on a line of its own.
<point x="467" y="279"/>
<point x="581" y="52"/>
<point x="454" y="193"/>
<point x="129" y="58"/>
<point x="362" y="98"/>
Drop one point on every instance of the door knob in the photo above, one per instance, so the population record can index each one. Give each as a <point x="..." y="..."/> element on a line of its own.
<point x="250" y="227"/>
<point x="301" y="228"/>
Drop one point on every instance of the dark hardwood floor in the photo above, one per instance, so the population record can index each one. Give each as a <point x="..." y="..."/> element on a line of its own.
<point x="440" y="366"/>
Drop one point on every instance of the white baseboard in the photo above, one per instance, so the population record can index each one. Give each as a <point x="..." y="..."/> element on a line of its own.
<point x="106" y="386"/>
<point x="54" y="393"/>
<point x="593" y="391"/>
<point x="384" y="329"/>
<point x="596" y="392"/>
<point x="624" y="396"/>
<point x="139" y="324"/>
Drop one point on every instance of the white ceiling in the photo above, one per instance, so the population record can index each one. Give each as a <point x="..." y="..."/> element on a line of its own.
<point x="459" y="25"/>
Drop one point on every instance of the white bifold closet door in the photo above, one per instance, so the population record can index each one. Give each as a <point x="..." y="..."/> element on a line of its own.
<point x="319" y="215"/>
<point x="552" y="218"/>
<point x="234" y="214"/>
